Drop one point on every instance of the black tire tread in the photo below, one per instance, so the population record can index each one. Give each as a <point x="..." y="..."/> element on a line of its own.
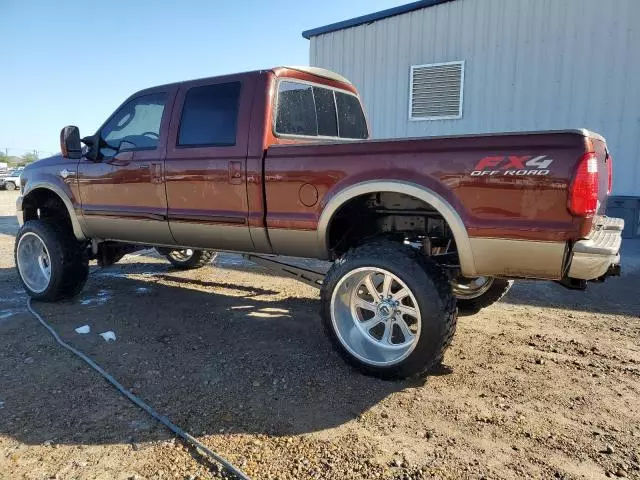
<point x="199" y="259"/>
<point x="406" y="258"/>
<point x="70" y="255"/>
<point x="495" y="293"/>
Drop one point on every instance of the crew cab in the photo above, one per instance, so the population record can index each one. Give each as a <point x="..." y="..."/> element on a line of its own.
<point x="280" y="162"/>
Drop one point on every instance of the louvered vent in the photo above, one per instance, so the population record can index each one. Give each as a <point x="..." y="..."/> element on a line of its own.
<point x="436" y="91"/>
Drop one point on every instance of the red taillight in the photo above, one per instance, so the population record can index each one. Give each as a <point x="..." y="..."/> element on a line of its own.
<point x="610" y="172"/>
<point x="583" y="191"/>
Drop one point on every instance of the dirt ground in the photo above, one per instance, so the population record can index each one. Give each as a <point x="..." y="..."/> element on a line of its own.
<point x="545" y="384"/>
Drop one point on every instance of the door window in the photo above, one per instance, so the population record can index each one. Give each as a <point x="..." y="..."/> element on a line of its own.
<point x="137" y="123"/>
<point x="210" y="116"/>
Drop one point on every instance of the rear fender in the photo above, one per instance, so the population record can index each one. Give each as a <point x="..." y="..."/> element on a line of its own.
<point x="456" y="224"/>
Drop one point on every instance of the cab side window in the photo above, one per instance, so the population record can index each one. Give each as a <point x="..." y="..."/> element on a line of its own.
<point x="137" y="124"/>
<point x="210" y="116"/>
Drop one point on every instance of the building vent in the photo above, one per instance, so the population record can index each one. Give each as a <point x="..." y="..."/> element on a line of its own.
<point x="436" y="91"/>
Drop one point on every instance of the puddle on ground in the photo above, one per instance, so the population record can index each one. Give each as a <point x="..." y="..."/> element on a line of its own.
<point x="101" y="298"/>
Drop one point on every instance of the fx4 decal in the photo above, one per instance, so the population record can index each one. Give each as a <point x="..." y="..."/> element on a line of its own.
<point x="512" y="165"/>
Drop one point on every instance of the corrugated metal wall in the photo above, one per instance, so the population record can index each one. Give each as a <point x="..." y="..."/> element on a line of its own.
<point x="530" y="65"/>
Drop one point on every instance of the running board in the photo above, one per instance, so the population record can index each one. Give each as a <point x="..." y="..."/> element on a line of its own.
<point x="310" y="277"/>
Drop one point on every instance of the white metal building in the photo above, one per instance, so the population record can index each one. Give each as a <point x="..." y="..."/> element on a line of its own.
<point x="441" y="67"/>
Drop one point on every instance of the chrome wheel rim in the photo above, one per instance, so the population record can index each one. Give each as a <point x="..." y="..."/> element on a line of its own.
<point x="181" y="255"/>
<point x="34" y="262"/>
<point x="375" y="316"/>
<point x="467" y="288"/>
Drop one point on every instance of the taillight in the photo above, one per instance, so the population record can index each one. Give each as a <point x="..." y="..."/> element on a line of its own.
<point x="583" y="191"/>
<point x="610" y="172"/>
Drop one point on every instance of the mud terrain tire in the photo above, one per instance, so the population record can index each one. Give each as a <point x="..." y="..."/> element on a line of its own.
<point x="51" y="248"/>
<point x="184" y="261"/>
<point x="429" y="289"/>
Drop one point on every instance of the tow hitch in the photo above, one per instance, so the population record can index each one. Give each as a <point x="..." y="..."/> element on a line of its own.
<point x="614" y="270"/>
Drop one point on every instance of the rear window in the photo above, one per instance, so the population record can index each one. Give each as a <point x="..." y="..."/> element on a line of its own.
<point x="296" y="110"/>
<point x="312" y="111"/>
<point x="210" y="116"/>
<point x="325" y="112"/>
<point x="350" y="116"/>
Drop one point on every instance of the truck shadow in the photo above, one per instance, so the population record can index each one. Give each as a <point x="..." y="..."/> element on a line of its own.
<point x="614" y="296"/>
<point x="240" y="362"/>
<point x="214" y="356"/>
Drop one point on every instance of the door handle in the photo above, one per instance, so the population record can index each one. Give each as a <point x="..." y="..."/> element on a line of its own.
<point x="144" y="166"/>
<point x="235" y="172"/>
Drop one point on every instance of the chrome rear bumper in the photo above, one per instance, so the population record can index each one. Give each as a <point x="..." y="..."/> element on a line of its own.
<point x="594" y="257"/>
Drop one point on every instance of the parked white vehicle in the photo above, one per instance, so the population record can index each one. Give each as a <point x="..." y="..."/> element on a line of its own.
<point x="11" y="181"/>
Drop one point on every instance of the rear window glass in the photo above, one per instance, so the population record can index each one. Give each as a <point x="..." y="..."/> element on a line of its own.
<point x="296" y="110"/>
<point x="326" y="112"/>
<point x="311" y="111"/>
<point x="210" y="115"/>
<point x="351" y="119"/>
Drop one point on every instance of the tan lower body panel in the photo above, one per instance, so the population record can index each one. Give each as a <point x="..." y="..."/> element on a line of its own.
<point x="214" y="237"/>
<point x="518" y="258"/>
<point x="128" y="230"/>
<point x="296" y="243"/>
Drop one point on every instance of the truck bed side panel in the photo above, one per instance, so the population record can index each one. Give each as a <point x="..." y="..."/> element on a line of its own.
<point x="509" y="187"/>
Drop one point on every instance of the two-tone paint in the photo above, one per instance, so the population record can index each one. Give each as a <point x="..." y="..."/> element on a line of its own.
<point x="278" y="194"/>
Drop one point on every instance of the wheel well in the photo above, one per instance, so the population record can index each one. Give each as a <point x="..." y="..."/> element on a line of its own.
<point x="393" y="215"/>
<point x="43" y="203"/>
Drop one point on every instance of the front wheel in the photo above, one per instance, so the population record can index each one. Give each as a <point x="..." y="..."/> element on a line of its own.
<point x="10" y="186"/>
<point x="187" y="258"/>
<point x="388" y="310"/>
<point x="476" y="293"/>
<point x="51" y="263"/>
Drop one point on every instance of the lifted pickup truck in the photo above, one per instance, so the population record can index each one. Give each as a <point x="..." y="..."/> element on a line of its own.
<point x="279" y="162"/>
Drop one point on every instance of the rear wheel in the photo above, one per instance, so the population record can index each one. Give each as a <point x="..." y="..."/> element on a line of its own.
<point x="188" y="258"/>
<point x="388" y="310"/>
<point x="51" y="263"/>
<point x="10" y="186"/>
<point x="476" y="293"/>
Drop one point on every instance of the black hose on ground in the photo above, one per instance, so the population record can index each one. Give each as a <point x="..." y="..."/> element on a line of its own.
<point x="139" y="402"/>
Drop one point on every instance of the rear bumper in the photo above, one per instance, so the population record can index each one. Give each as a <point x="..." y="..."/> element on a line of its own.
<point x="599" y="255"/>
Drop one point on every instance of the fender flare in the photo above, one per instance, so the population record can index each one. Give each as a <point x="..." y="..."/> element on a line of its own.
<point x="456" y="224"/>
<point x="75" y="223"/>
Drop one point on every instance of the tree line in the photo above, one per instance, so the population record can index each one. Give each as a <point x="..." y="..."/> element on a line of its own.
<point x="18" y="161"/>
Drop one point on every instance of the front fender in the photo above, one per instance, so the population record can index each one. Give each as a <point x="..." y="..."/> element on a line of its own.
<point x="53" y="183"/>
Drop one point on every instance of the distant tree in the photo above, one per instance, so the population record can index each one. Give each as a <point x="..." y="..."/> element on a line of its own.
<point x="4" y="158"/>
<point x="28" y="158"/>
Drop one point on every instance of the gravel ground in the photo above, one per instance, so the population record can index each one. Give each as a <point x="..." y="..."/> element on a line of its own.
<point x="545" y="384"/>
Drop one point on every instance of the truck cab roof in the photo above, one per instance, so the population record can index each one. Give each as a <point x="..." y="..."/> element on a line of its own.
<point x="316" y="74"/>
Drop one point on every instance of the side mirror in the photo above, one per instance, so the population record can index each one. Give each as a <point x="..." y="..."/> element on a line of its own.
<point x="70" y="145"/>
<point x="93" y="147"/>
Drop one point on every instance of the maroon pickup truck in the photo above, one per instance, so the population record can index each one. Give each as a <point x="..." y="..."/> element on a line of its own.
<point x="279" y="162"/>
